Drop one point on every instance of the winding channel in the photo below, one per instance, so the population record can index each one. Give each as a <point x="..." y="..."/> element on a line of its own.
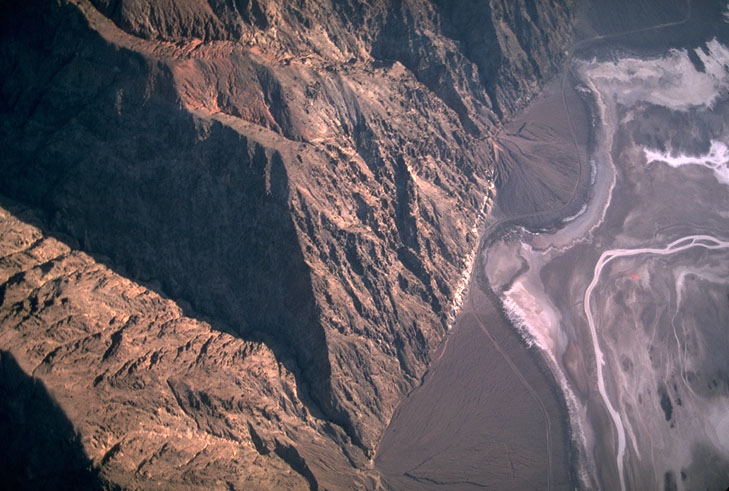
<point x="684" y="243"/>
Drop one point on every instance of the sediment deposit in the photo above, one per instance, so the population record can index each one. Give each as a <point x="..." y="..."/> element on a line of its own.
<point x="294" y="186"/>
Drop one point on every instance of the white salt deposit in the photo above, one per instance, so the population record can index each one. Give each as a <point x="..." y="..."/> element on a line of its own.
<point x="671" y="81"/>
<point x="533" y="317"/>
<point x="716" y="159"/>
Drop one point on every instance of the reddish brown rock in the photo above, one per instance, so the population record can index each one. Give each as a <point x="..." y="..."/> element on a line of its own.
<point x="307" y="177"/>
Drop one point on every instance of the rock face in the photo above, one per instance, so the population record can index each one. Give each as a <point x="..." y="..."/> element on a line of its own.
<point x="305" y="176"/>
<point x="159" y="399"/>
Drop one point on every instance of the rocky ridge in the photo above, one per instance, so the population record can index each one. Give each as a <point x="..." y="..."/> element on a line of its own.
<point x="158" y="399"/>
<point x="305" y="175"/>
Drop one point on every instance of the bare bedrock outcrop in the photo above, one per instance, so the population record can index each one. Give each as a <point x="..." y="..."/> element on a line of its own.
<point x="300" y="177"/>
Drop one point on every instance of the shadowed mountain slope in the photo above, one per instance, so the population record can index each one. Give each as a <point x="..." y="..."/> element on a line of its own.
<point x="305" y="175"/>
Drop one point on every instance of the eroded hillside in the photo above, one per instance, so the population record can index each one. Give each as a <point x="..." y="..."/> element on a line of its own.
<point x="302" y="177"/>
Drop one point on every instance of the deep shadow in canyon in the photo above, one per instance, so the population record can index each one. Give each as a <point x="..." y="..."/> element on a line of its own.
<point x="41" y="449"/>
<point x="111" y="135"/>
<point x="197" y="213"/>
<point x="230" y="220"/>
